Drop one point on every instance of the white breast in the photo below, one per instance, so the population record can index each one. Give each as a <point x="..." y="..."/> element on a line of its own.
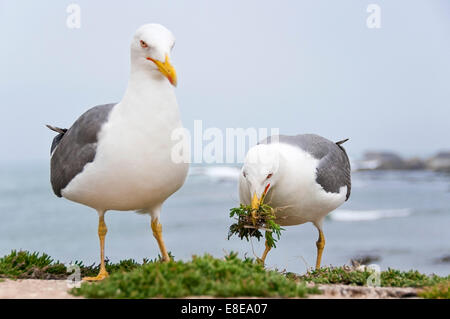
<point x="132" y="169"/>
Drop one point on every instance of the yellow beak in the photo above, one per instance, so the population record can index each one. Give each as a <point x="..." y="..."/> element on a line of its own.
<point x="166" y="69"/>
<point x="256" y="202"/>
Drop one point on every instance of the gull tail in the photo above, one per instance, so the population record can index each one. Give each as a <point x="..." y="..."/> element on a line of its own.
<point x="57" y="139"/>
<point x="57" y="129"/>
<point x="342" y="142"/>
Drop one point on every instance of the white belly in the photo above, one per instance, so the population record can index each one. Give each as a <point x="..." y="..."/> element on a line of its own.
<point x="132" y="169"/>
<point x="306" y="206"/>
<point x="299" y="198"/>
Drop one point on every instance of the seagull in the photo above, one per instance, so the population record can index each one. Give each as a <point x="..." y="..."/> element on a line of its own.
<point x="302" y="177"/>
<point x="118" y="156"/>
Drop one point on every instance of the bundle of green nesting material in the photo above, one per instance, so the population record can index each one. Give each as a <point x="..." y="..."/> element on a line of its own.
<point x="251" y="221"/>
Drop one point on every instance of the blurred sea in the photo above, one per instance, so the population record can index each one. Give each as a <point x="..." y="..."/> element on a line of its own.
<point x="401" y="217"/>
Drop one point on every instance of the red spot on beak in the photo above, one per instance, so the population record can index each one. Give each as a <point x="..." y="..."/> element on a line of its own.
<point x="266" y="189"/>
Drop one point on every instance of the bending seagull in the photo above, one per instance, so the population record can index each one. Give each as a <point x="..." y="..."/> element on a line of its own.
<point x="302" y="177"/>
<point x="118" y="156"/>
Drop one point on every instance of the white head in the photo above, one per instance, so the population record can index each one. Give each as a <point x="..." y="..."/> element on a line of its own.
<point x="150" y="49"/>
<point x="260" y="172"/>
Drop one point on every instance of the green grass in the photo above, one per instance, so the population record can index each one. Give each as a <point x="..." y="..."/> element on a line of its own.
<point x="23" y="264"/>
<point x="202" y="276"/>
<point x="438" y="291"/>
<point x="262" y="217"/>
<point x="350" y="276"/>
<point x="209" y="276"/>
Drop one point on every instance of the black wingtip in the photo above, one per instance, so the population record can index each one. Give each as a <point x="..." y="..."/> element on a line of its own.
<point x="342" y="142"/>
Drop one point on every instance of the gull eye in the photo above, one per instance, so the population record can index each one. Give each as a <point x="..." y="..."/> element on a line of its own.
<point x="144" y="45"/>
<point x="244" y="174"/>
<point x="269" y="176"/>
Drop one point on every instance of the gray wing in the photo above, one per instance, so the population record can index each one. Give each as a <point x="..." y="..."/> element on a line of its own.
<point x="74" y="148"/>
<point x="334" y="170"/>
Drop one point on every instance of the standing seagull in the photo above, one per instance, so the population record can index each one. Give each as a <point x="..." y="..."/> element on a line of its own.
<point x="302" y="177"/>
<point x="118" y="157"/>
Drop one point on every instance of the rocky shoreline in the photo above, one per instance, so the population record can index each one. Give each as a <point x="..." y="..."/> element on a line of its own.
<point x="375" y="160"/>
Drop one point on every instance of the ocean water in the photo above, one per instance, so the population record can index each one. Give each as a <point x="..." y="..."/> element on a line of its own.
<point x="403" y="218"/>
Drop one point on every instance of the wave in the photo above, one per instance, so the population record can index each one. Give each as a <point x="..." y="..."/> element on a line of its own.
<point x="364" y="165"/>
<point x="368" y="215"/>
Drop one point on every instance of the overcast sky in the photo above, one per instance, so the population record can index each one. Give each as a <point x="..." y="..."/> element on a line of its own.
<point x="301" y="66"/>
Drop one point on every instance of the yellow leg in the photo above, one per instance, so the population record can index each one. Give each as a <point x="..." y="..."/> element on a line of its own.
<point x="102" y="230"/>
<point x="320" y="245"/>
<point x="157" y="233"/>
<point x="264" y="255"/>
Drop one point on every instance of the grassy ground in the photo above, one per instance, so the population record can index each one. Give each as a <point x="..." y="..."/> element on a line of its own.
<point x="350" y="276"/>
<point x="26" y="265"/>
<point x="209" y="276"/>
<point x="202" y="276"/>
<point x="437" y="291"/>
